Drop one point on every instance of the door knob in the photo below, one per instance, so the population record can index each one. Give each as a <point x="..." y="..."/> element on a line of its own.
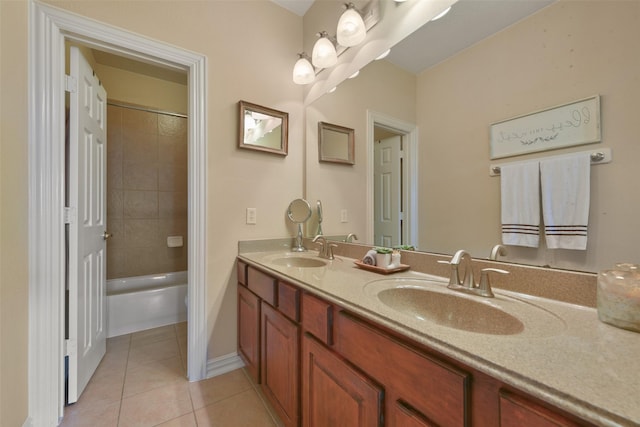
<point x="106" y="235"/>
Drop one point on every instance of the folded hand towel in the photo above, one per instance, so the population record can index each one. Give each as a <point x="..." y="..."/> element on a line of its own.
<point x="370" y="257"/>
<point x="565" y="200"/>
<point x="520" y="194"/>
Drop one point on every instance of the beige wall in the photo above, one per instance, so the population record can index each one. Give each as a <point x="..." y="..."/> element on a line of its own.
<point x="256" y="67"/>
<point x="13" y="213"/>
<point x="568" y="51"/>
<point x="341" y="186"/>
<point x="135" y="88"/>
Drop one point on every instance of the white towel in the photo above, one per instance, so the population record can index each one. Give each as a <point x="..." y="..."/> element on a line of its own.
<point x="565" y="200"/>
<point x="370" y="257"/>
<point x="520" y="194"/>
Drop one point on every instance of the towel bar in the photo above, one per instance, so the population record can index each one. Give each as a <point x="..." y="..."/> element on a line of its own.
<point x="599" y="157"/>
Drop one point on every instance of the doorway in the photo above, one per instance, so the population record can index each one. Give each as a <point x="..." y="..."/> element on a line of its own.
<point x="392" y="184"/>
<point x="49" y="28"/>
<point x="388" y="183"/>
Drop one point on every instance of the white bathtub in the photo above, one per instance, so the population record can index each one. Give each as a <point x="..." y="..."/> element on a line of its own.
<point x="144" y="302"/>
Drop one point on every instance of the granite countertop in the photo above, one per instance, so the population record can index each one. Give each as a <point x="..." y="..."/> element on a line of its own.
<point x="565" y="356"/>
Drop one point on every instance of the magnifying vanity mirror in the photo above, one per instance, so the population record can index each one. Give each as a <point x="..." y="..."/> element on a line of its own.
<point x="336" y="144"/>
<point x="263" y="129"/>
<point x="299" y="212"/>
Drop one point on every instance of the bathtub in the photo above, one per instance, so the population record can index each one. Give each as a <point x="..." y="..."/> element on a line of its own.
<point x="144" y="302"/>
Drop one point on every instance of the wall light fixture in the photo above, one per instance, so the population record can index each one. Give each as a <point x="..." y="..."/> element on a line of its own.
<point x="303" y="72"/>
<point x="324" y="53"/>
<point x="351" y="29"/>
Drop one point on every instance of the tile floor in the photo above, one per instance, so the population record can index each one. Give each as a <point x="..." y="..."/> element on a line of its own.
<point x="142" y="382"/>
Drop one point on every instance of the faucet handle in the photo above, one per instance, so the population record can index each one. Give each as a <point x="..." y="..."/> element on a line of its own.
<point x="484" y="287"/>
<point x="454" y="278"/>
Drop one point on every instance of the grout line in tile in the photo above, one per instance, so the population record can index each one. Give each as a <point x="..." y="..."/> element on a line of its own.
<point x="256" y="388"/>
<point x="124" y="379"/>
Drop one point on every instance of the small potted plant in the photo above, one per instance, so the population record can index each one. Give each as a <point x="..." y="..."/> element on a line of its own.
<point x="383" y="257"/>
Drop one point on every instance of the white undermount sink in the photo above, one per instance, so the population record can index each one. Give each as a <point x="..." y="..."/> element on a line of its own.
<point x="432" y="301"/>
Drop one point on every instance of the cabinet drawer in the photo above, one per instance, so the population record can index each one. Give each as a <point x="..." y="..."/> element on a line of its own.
<point x="518" y="411"/>
<point x="242" y="272"/>
<point x="262" y="285"/>
<point x="317" y="318"/>
<point x="289" y="301"/>
<point x="433" y="388"/>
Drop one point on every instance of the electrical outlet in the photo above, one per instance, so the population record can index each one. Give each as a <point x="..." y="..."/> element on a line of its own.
<point x="251" y="216"/>
<point x="343" y="216"/>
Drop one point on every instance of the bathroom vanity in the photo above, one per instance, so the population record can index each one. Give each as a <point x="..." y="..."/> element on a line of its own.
<point x="328" y="348"/>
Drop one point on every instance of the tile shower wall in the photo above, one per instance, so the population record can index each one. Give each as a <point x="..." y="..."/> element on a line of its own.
<point x="146" y="191"/>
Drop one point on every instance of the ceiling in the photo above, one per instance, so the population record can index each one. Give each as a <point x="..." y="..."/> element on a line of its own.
<point x="468" y="22"/>
<point x="299" y="7"/>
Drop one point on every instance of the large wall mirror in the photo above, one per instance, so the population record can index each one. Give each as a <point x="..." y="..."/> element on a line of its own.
<point x="552" y="53"/>
<point x="336" y="143"/>
<point x="262" y="128"/>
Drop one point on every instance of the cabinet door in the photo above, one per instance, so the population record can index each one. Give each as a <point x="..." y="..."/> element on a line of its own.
<point x="517" y="411"/>
<point x="334" y="393"/>
<point x="249" y="331"/>
<point x="281" y="364"/>
<point x="402" y="415"/>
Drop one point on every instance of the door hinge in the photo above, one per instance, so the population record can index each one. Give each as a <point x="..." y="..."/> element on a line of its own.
<point x="70" y="347"/>
<point x="69" y="215"/>
<point x="70" y="84"/>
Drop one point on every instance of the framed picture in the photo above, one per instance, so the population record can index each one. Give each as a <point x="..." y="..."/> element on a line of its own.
<point x="262" y="128"/>
<point x="575" y="123"/>
<point x="336" y="144"/>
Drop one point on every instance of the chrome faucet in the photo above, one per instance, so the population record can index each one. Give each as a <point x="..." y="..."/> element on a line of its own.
<point x="467" y="283"/>
<point x="350" y="237"/>
<point x="326" y="248"/>
<point x="497" y="250"/>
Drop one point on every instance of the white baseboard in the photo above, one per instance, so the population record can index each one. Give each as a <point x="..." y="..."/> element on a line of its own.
<point x="223" y="364"/>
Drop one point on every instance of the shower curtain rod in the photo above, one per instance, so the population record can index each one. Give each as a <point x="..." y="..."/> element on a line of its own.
<point x="141" y="108"/>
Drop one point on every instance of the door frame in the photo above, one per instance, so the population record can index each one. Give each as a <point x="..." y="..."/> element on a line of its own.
<point x="49" y="27"/>
<point x="409" y="174"/>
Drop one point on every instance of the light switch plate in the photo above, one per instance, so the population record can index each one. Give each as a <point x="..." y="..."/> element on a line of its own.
<point x="251" y="216"/>
<point x="344" y="216"/>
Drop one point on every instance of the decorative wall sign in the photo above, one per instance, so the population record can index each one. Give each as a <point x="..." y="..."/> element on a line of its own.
<point x="576" y="123"/>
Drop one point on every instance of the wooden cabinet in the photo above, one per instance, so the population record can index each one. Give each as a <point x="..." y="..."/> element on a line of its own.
<point x="249" y="331"/>
<point x="269" y="339"/>
<point x="334" y="392"/>
<point x="317" y="318"/>
<point x="517" y="411"/>
<point x="435" y="390"/>
<point x="320" y="365"/>
<point x="400" y="414"/>
<point x="280" y="364"/>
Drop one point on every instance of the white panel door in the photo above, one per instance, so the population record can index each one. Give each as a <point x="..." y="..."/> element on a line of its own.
<point x="387" y="192"/>
<point x="87" y="229"/>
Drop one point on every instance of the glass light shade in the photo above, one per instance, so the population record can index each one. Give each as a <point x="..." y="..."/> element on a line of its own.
<point x="324" y="53"/>
<point x="303" y="72"/>
<point x="441" y="14"/>
<point x="383" y="54"/>
<point x="351" y="29"/>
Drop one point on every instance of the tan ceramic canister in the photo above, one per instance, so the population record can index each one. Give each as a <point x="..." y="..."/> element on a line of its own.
<point x="618" y="296"/>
